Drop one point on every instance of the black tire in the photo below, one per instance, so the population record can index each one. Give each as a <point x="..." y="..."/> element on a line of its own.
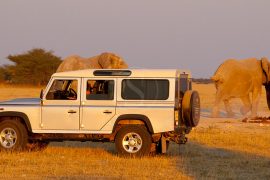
<point x="13" y="135"/>
<point x="37" y="145"/>
<point x="191" y="108"/>
<point x="133" y="140"/>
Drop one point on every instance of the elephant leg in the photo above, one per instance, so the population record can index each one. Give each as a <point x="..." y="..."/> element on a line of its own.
<point x="228" y="108"/>
<point x="246" y="105"/>
<point x="215" y="110"/>
<point x="219" y="98"/>
<point x="256" y="95"/>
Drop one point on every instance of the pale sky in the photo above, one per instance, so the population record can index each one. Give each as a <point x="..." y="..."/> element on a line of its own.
<point x="188" y="34"/>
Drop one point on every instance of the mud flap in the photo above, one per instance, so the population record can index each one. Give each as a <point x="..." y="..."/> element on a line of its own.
<point x="163" y="145"/>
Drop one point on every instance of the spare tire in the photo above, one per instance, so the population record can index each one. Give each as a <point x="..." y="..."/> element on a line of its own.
<point x="191" y="108"/>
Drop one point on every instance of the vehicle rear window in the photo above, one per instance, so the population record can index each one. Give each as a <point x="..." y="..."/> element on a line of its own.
<point x="145" y="89"/>
<point x="184" y="83"/>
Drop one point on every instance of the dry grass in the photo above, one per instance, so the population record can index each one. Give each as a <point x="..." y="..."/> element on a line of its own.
<point x="85" y="160"/>
<point x="11" y="92"/>
<point x="211" y="153"/>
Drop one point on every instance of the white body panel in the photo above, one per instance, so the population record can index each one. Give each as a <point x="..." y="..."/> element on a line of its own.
<point x="161" y="117"/>
<point x="33" y="113"/>
<point x="159" y="112"/>
<point x="58" y="117"/>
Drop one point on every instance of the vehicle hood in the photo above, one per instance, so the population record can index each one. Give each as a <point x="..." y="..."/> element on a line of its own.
<point x="27" y="101"/>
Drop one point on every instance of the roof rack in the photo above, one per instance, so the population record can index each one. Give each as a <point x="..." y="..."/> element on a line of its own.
<point x="112" y="72"/>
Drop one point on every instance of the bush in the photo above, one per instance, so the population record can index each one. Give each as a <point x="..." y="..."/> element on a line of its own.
<point x="33" y="67"/>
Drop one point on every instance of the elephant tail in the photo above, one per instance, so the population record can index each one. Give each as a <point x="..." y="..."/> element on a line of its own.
<point x="217" y="78"/>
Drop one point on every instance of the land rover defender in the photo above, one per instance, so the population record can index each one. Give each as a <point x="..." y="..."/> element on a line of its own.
<point x="140" y="110"/>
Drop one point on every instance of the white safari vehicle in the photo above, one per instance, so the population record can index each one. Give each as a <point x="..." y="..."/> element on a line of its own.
<point x="139" y="110"/>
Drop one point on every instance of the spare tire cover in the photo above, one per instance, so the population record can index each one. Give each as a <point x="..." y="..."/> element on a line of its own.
<point x="191" y="108"/>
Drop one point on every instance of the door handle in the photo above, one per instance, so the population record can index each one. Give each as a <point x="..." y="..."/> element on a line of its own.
<point x="107" y="112"/>
<point x="72" y="111"/>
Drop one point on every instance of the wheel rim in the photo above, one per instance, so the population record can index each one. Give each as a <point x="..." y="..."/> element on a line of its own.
<point x="132" y="142"/>
<point x="8" y="137"/>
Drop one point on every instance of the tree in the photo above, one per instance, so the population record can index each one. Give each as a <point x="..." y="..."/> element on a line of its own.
<point x="2" y="74"/>
<point x="33" y="67"/>
<point x="5" y="74"/>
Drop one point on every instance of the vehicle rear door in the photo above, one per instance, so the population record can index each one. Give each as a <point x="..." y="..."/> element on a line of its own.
<point x="98" y="102"/>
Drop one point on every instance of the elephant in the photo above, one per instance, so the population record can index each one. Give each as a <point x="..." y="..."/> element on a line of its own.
<point x="239" y="79"/>
<point x="103" y="61"/>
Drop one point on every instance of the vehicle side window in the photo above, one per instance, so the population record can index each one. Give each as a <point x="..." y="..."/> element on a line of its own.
<point x="145" y="89"/>
<point x="63" y="90"/>
<point x="100" y="90"/>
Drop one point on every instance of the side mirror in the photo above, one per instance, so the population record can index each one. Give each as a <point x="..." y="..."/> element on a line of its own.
<point x="41" y="94"/>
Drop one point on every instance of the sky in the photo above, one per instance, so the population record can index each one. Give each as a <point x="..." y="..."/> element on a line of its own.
<point x="184" y="34"/>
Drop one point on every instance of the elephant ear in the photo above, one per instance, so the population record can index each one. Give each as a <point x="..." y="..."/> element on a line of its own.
<point x="267" y="89"/>
<point x="111" y="61"/>
<point x="266" y="71"/>
<point x="104" y="61"/>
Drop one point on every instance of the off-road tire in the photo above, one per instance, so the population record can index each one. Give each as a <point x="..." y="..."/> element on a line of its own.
<point x="18" y="135"/>
<point x="122" y="137"/>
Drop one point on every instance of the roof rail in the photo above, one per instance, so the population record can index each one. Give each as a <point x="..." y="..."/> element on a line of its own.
<point x="112" y="73"/>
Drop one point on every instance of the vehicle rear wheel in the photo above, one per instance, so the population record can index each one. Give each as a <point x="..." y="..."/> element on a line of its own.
<point x="133" y="140"/>
<point x="13" y="135"/>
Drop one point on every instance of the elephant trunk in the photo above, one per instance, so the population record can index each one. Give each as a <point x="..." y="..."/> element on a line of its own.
<point x="267" y="89"/>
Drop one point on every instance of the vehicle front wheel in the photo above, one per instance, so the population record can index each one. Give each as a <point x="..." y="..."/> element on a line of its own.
<point x="13" y="135"/>
<point x="133" y="140"/>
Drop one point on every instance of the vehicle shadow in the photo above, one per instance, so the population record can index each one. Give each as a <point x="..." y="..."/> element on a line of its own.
<point x="203" y="162"/>
<point x="105" y="146"/>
